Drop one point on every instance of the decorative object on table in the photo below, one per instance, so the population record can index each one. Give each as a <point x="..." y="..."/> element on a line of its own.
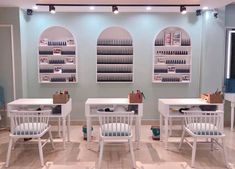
<point x="84" y="130"/>
<point x="156" y="132"/>
<point x="208" y="107"/>
<point x="60" y="97"/>
<point x="216" y="97"/>
<point x="181" y="110"/>
<point x="56" y="109"/>
<point x="136" y="97"/>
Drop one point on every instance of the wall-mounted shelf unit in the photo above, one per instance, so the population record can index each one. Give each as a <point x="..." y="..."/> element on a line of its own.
<point x="57" y="58"/>
<point x="172" y="60"/>
<point x="114" y="56"/>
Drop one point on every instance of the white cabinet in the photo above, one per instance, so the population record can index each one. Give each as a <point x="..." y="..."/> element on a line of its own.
<point x="57" y="59"/>
<point x="114" y="56"/>
<point x="172" y="60"/>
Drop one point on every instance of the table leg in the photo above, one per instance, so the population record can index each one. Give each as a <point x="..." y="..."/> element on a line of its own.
<point x="170" y="121"/>
<point x="232" y="115"/>
<point x="161" y="127"/>
<point x="68" y="126"/>
<point x="166" y="132"/>
<point x="88" y="125"/>
<point x="137" y="131"/>
<point x="59" y="127"/>
<point x="64" y="130"/>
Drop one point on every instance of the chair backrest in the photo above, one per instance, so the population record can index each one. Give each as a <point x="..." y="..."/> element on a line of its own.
<point x="29" y="122"/>
<point x="116" y="124"/>
<point x="204" y="122"/>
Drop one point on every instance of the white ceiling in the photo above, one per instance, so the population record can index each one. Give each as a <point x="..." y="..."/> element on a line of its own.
<point x="25" y="4"/>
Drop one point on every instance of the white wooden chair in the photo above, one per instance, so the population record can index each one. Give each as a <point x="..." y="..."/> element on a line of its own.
<point x="115" y="127"/>
<point x="204" y="124"/>
<point x="29" y="124"/>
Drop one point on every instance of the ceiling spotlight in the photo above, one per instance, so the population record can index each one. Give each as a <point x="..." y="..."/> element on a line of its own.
<point x="92" y="7"/>
<point x="216" y="12"/>
<point x="148" y="8"/>
<point x="198" y="12"/>
<point x="115" y="9"/>
<point x="205" y="8"/>
<point x="52" y="9"/>
<point x="183" y="10"/>
<point x="35" y="7"/>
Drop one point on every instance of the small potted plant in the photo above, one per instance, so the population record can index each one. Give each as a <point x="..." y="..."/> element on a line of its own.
<point x="156" y="132"/>
<point x="84" y="130"/>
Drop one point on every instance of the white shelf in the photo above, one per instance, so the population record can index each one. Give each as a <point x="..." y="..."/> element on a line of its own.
<point x="116" y="64"/>
<point x="58" y="74"/>
<point x="51" y="55"/>
<point x="118" y="82"/>
<point x="163" y="55"/>
<point x="52" y="65"/>
<point x="185" y="82"/>
<point x="171" y="73"/>
<point x="112" y="53"/>
<point x="57" y="35"/>
<point x="115" y="74"/>
<point x="62" y="47"/>
<point x="173" y="47"/>
<point x="166" y="65"/>
<point x="115" y="55"/>
<point x="57" y="82"/>
<point x="114" y="46"/>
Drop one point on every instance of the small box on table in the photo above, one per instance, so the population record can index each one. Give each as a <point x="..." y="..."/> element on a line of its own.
<point x="60" y="98"/>
<point x="135" y="97"/>
<point x="212" y="97"/>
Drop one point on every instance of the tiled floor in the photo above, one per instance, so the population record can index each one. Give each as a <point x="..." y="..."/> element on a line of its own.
<point x="151" y="154"/>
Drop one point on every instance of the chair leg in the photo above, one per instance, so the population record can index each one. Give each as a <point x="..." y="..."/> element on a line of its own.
<point x="212" y="144"/>
<point x="101" y="153"/>
<point x="59" y="127"/>
<point x="182" y="139"/>
<point x="132" y="154"/>
<point x="51" y="139"/>
<point x="225" y="153"/>
<point x="194" y="151"/>
<point x="170" y="123"/>
<point x="99" y="144"/>
<point x="40" y="151"/>
<point x="9" y="152"/>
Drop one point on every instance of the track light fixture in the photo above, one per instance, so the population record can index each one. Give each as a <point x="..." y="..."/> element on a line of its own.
<point x="198" y="12"/>
<point x="183" y="10"/>
<point x="52" y="9"/>
<point x="115" y="9"/>
<point x="115" y="6"/>
<point x="215" y="13"/>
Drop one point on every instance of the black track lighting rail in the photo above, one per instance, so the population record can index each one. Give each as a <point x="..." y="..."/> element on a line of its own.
<point x="123" y="5"/>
